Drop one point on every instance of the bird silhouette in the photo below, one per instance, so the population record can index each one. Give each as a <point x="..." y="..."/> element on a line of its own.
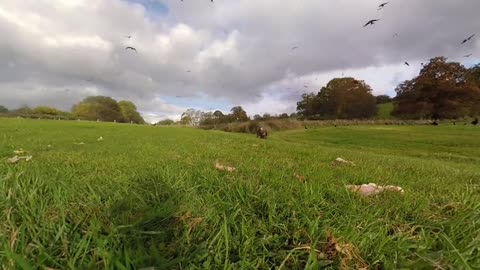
<point x="395" y="35"/>
<point x="382" y="5"/>
<point x="131" y="48"/>
<point x="293" y="48"/>
<point x="406" y="63"/>
<point x="468" y="55"/>
<point x="468" y="39"/>
<point x="475" y="122"/>
<point x="372" y="22"/>
<point x="189" y="71"/>
<point x="128" y="36"/>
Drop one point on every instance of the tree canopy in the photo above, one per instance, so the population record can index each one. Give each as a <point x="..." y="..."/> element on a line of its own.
<point x="129" y="112"/>
<point x="441" y="90"/>
<point x="342" y="98"/>
<point x="98" y="107"/>
<point x="3" y="109"/>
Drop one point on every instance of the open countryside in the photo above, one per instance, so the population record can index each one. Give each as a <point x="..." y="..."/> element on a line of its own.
<point x="139" y="198"/>
<point x="197" y="134"/>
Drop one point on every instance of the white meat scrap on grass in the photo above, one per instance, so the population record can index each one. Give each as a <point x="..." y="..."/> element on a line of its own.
<point x="220" y="167"/>
<point x="100" y="139"/>
<point x="373" y="189"/>
<point x="341" y="161"/>
<point x="16" y="159"/>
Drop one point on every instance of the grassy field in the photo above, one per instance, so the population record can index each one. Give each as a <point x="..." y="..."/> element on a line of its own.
<point x="384" y="111"/>
<point x="150" y="196"/>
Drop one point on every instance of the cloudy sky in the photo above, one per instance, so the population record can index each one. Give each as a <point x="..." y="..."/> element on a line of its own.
<point x="195" y="53"/>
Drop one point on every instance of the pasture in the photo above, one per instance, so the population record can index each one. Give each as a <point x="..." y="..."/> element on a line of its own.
<point x="151" y="197"/>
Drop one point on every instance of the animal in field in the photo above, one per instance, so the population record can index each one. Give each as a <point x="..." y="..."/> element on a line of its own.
<point x="475" y="122"/>
<point x="262" y="133"/>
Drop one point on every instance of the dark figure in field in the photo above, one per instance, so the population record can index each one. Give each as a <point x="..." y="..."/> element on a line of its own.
<point x="262" y="133"/>
<point x="475" y="122"/>
<point x="454" y="123"/>
<point x="435" y="123"/>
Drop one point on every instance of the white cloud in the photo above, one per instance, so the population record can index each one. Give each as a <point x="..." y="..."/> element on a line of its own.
<point x="238" y="51"/>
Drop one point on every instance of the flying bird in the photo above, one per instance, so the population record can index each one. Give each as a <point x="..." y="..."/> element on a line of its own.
<point x="128" y="36"/>
<point x="395" y="35"/>
<point x="189" y="70"/>
<point x="406" y="63"/>
<point x="131" y="48"/>
<point x="372" y="22"/>
<point x="293" y="48"/>
<point x="468" y="55"/>
<point x="382" y="5"/>
<point x="468" y="39"/>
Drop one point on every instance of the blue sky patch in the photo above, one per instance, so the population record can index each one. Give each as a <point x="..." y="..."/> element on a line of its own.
<point x="155" y="8"/>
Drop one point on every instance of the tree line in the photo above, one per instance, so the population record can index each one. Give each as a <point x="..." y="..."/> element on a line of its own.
<point x="442" y="90"/>
<point x="93" y="108"/>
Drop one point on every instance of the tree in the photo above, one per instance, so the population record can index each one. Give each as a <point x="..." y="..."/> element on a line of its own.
<point x="382" y="99"/>
<point x="130" y="113"/>
<point x="98" y="107"/>
<point x="3" y="109"/>
<point x="24" y="110"/>
<point x="46" y="110"/>
<point x="238" y="114"/>
<point x="343" y="98"/>
<point x="308" y="105"/>
<point x="441" y="90"/>
<point x="191" y="117"/>
<point x="257" y="117"/>
<point x="166" y="122"/>
<point x="283" y="116"/>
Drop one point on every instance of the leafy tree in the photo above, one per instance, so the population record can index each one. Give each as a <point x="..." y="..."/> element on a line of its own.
<point x="47" y="110"/>
<point x="441" y="90"/>
<point x="191" y="117"/>
<point x="238" y="114"/>
<point x="24" y="110"/>
<point x="3" y="109"/>
<point x="98" y="107"/>
<point x="166" y="122"/>
<point x="343" y="98"/>
<point x="283" y="116"/>
<point x="257" y="117"/>
<point x="308" y="105"/>
<point x="129" y="112"/>
<point x="382" y="99"/>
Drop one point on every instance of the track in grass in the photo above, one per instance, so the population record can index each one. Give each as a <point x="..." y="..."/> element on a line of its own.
<point x="150" y="196"/>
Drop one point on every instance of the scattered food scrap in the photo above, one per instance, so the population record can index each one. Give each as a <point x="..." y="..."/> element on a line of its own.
<point x="100" y="139"/>
<point x="300" y="178"/>
<point x="80" y="143"/>
<point x="220" y="167"/>
<point x="341" y="161"/>
<point x="20" y="152"/>
<point x="16" y="159"/>
<point x="373" y="189"/>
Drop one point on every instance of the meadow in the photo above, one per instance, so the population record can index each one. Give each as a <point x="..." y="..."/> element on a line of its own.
<point x="150" y="198"/>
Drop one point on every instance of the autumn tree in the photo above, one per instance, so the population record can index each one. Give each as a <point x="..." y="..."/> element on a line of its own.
<point x="343" y="98"/>
<point x="130" y="113"/>
<point x="441" y="90"/>
<point x="238" y="114"/>
<point x="98" y="107"/>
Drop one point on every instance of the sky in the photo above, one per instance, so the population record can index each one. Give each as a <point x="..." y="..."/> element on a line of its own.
<point x="259" y="54"/>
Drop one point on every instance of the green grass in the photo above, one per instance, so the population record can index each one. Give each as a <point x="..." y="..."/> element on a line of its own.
<point x="150" y="196"/>
<point x="385" y="110"/>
